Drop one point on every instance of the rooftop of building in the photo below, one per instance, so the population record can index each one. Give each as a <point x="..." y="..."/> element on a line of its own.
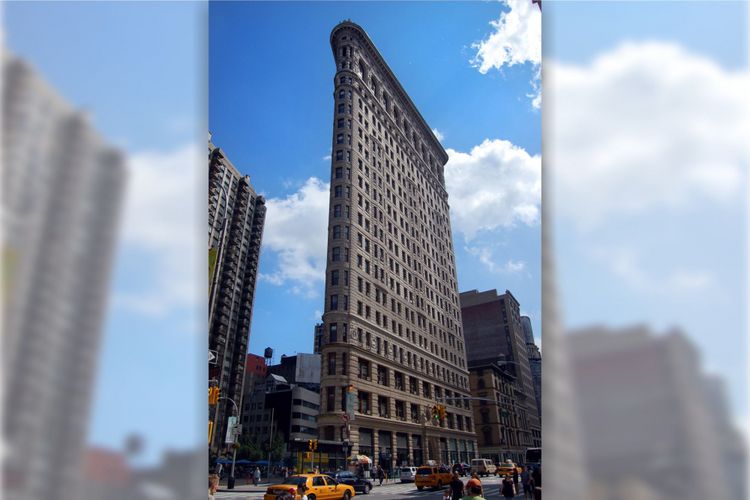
<point x="427" y="130"/>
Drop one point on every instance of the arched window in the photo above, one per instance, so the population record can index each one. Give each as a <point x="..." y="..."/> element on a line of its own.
<point x="363" y="70"/>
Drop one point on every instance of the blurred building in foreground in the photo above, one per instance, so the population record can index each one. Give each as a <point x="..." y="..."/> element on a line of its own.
<point x="493" y="331"/>
<point x="652" y="421"/>
<point x="236" y="215"/>
<point x="62" y="194"/>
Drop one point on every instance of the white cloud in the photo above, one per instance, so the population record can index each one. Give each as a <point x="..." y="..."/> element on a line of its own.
<point x="484" y="254"/>
<point x="326" y="158"/>
<point x="509" y="192"/>
<point x="517" y="39"/>
<point x="296" y="229"/>
<point x="632" y="270"/>
<point x="165" y="228"/>
<point x="647" y="125"/>
<point x="439" y="135"/>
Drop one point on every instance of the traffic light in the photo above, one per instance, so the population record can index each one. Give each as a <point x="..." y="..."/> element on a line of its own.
<point x="213" y="395"/>
<point x="435" y="413"/>
<point x="310" y="444"/>
<point x="441" y="413"/>
<point x="315" y="445"/>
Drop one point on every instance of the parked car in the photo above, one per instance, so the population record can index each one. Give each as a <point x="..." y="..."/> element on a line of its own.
<point x="408" y="474"/>
<point x="319" y="487"/>
<point x="432" y="477"/>
<point x="359" y="484"/>
<point x="483" y="467"/>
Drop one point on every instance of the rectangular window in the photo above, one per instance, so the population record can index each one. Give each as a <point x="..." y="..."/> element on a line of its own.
<point x="336" y="232"/>
<point x="339" y="172"/>
<point x="334" y="278"/>
<point x="336" y="254"/>
<point x="338" y="191"/>
<point x="334" y="302"/>
<point x="330" y="398"/>
<point x="337" y="210"/>
<point x="340" y="154"/>
<point x="340" y="123"/>
<point x="331" y="363"/>
<point x="333" y="335"/>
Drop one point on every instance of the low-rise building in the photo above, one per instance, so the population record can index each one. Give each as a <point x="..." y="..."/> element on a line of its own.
<point x="502" y="423"/>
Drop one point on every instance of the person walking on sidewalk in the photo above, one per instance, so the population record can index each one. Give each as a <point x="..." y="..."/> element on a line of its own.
<point x="256" y="476"/>
<point x="381" y="475"/>
<point x="507" y="487"/>
<point x="456" y="487"/>
<point x="528" y="488"/>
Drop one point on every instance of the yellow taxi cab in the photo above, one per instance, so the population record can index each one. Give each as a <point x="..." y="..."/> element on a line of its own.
<point x="507" y="468"/>
<point x="319" y="487"/>
<point x="432" y="477"/>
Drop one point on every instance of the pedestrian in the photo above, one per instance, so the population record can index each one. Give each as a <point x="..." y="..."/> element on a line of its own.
<point x="286" y="472"/>
<point x="507" y="487"/>
<point x="475" y="477"/>
<point x="528" y="488"/>
<point x="525" y="481"/>
<point x="515" y="477"/>
<point x="303" y="491"/>
<point x="473" y="490"/>
<point x="381" y="475"/>
<point x="456" y="487"/>
<point x="256" y="476"/>
<point x="213" y="485"/>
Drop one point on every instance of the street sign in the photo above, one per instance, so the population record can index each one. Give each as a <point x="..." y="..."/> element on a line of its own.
<point x="212" y="357"/>
<point x="345" y="417"/>
<point x="231" y="436"/>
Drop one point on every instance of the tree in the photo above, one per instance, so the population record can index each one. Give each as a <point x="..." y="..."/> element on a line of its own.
<point x="249" y="449"/>
<point x="277" y="447"/>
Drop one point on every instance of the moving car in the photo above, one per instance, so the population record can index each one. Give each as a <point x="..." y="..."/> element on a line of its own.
<point x="432" y="477"/>
<point x="462" y="469"/>
<point x="507" y="468"/>
<point x="359" y="484"/>
<point x="483" y="467"/>
<point x="408" y="474"/>
<point x="319" y="487"/>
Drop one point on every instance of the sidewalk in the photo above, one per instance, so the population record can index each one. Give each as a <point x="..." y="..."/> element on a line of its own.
<point x="262" y="486"/>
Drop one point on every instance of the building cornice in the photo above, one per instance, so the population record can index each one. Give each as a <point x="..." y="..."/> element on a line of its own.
<point x="395" y="84"/>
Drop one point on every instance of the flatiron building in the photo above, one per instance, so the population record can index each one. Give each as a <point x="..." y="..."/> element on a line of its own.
<point x="391" y="340"/>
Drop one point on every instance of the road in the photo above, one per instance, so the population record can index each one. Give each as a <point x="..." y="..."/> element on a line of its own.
<point x="390" y="491"/>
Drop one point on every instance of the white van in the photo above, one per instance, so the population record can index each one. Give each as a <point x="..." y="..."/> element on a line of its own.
<point x="483" y="467"/>
<point x="408" y="474"/>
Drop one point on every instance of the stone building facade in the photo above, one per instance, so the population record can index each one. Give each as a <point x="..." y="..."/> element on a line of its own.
<point x="501" y="422"/>
<point x="391" y="340"/>
<point x="493" y="329"/>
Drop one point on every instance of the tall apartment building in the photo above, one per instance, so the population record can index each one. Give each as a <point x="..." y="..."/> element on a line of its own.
<point x="391" y="341"/>
<point x="235" y="227"/>
<point x="535" y="362"/>
<point x="493" y="330"/>
<point x="62" y="194"/>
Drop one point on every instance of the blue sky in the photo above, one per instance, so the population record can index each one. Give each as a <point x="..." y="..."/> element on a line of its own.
<point x="271" y="80"/>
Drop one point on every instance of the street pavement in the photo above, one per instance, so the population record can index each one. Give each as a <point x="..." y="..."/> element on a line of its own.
<point x="393" y="490"/>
